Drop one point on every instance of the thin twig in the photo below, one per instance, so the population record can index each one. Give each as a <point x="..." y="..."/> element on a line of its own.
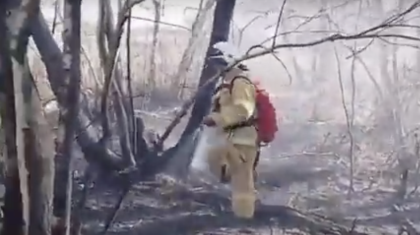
<point x="278" y="22"/>
<point x="129" y="85"/>
<point x="111" y="61"/>
<point x="281" y="62"/>
<point x="349" y="121"/>
<point x="126" y="189"/>
<point x="56" y="8"/>
<point x="387" y="23"/>
<point x="160" y="22"/>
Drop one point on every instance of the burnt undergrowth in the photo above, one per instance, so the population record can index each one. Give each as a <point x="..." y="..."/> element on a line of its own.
<point x="165" y="207"/>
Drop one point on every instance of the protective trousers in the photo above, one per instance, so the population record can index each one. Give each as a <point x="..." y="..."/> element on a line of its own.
<point x="236" y="162"/>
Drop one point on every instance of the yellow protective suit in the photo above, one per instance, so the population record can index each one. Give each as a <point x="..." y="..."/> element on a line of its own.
<point x="236" y="159"/>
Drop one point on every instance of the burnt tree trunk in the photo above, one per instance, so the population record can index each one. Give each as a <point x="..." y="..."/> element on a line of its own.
<point x="107" y="32"/>
<point x="69" y="111"/>
<point x="39" y="150"/>
<point x="87" y="137"/>
<point x="21" y="216"/>
<point x="12" y="208"/>
<point x="223" y="14"/>
<point x="177" y="159"/>
<point x="184" y="149"/>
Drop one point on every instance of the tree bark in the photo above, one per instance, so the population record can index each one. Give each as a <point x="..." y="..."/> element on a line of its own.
<point x="39" y="144"/>
<point x="12" y="208"/>
<point x="69" y="111"/>
<point x="87" y="136"/>
<point x="25" y="153"/>
<point x="108" y="32"/>
<point x="193" y="43"/>
<point x="18" y="33"/>
<point x="220" y="32"/>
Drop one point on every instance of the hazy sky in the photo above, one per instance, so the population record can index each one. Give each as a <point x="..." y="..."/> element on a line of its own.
<point x="175" y="11"/>
<point x="312" y="62"/>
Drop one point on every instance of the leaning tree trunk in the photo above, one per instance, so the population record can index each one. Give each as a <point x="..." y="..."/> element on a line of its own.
<point x="68" y="112"/>
<point x="220" y="32"/>
<point x="176" y="160"/>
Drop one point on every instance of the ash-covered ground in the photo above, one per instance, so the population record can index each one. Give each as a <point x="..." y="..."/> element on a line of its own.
<point x="306" y="168"/>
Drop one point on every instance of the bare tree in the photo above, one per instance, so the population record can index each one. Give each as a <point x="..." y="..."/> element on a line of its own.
<point x="109" y="59"/>
<point x="52" y="57"/>
<point x="13" y="216"/>
<point x="26" y="154"/>
<point x="68" y="112"/>
<point x="193" y="42"/>
<point x="152" y="59"/>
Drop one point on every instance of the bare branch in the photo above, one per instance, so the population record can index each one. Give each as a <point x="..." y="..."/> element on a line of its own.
<point x="56" y="8"/>
<point x="366" y="34"/>
<point x="399" y="44"/>
<point x="278" y="22"/>
<point x="108" y="32"/>
<point x="307" y="21"/>
<point x="348" y="115"/>
<point x="110" y="63"/>
<point x="197" y="27"/>
<point x="131" y="115"/>
<point x="370" y="75"/>
<point x="392" y="21"/>
<point x="242" y="30"/>
<point x="281" y="62"/>
<point x="160" y="22"/>
<point x="355" y="53"/>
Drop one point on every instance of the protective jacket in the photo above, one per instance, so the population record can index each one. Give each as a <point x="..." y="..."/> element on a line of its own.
<point x="235" y="162"/>
<point x="235" y="104"/>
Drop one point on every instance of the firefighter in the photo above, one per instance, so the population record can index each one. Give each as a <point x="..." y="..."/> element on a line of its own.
<point x="233" y="105"/>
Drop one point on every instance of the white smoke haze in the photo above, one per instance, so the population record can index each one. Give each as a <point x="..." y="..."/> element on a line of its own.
<point x="349" y="104"/>
<point x="210" y="137"/>
<point x="313" y="70"/>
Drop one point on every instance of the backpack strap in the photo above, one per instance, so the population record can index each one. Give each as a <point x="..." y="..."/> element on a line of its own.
<point x="216" y="105"/>
<point x="238" y="77"/>
<point x="249" y="122"/>
<point x="222" y="85"/>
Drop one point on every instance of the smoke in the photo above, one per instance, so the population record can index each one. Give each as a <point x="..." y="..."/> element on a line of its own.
<point x="190" y="158"/>
<point x="210" y="137"/>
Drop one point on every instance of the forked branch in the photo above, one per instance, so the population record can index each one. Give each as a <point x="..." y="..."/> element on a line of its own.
<point x="110" y="63"/>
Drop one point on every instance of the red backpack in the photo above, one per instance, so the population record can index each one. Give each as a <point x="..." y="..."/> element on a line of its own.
<point x="265" y="119"/>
